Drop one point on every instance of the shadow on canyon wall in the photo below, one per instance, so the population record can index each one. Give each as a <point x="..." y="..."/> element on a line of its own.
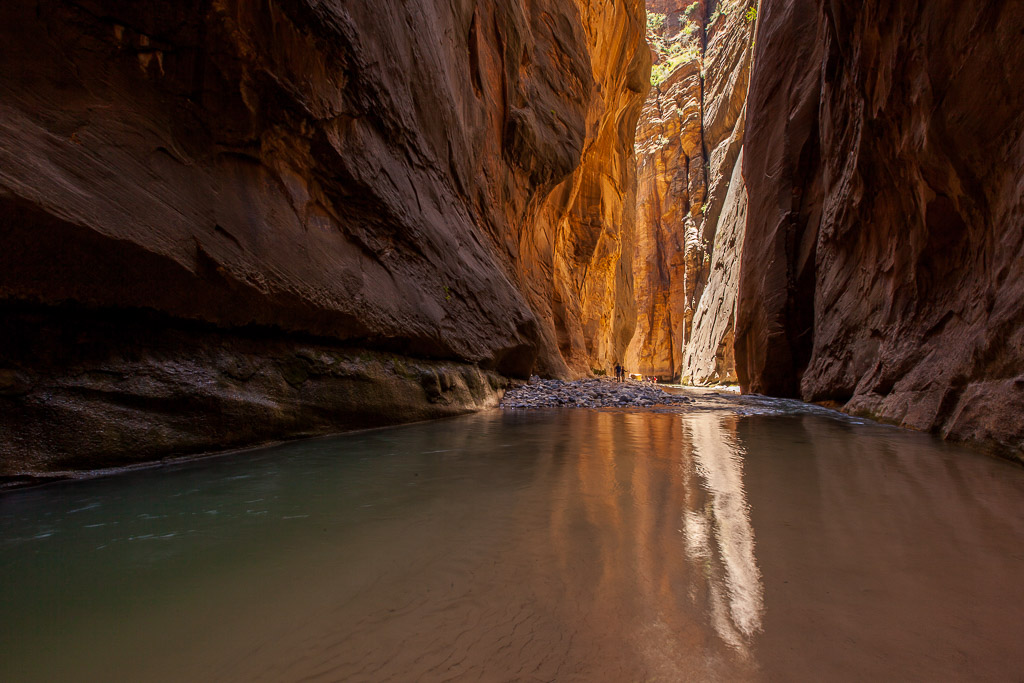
<point x="379" y="212"/>
<point x="446" y="184"/>
<point x="830" y="208"/>
<point x="884" y="249"/>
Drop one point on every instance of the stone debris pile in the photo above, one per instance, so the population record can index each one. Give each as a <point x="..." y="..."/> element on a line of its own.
<point x="588" y="393"/>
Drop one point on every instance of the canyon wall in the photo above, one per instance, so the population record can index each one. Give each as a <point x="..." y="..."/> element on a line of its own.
<point x="226" y="222"/>
<point x="883" y="265"/>
<point x="691" y="202"/>
<point x="576" y="267"/>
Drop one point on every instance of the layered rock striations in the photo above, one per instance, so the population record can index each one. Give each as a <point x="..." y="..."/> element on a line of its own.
<point x="671" y="186"/>
<point x="195" y="187"/>
<point x="690" y="196"/>
<point x="577" y="263"/>
<point x="884" y="251"/>
<point x="708" y="356"/>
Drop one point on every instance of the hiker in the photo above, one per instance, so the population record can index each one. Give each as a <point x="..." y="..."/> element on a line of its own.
<point x="618" y="372"/>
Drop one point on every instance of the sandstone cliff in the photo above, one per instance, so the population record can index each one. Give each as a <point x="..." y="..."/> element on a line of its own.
<point x="197" y="187"/>
<point x="884" y="248"/>
<point x="690" y="196"/>
<point x="577" y="265"/>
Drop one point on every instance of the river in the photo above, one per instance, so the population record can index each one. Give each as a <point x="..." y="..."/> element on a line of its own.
<point x="727" y="541"/>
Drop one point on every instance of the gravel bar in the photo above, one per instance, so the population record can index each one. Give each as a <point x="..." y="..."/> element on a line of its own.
<point x="588" y="393"/>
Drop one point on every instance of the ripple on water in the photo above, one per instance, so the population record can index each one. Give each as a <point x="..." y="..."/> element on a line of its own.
<point x="733" y="538"/>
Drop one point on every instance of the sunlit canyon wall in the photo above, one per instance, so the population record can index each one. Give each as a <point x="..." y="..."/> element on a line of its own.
<point x="883" y="263"/>
<point x="880" y="262"/>
<point x="226" y="222"/>
<point x="691" y="201"/>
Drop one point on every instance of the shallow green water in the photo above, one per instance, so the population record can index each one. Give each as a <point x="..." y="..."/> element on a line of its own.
<point x="741" y="543"/>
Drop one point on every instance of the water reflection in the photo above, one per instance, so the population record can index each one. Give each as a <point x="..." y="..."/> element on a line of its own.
<point x="719" y="537"/>
<point x="652" y="534"/>
<point x="562" y="545"/>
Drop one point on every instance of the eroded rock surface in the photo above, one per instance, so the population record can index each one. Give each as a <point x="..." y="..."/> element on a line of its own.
<point x="442" y="181"/>
<point x="575" y="252"/>
<point x="691" y="201"/>
<point x="709" y="356"/>
<point x="142" y="387"/>
<point x="884" y="258"/>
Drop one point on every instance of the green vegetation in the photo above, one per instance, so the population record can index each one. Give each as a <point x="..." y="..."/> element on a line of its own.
<point x="661" y="72"/>
<point x="671" y="51"/>
<point x="719" y="12"/>
<point x="655" y="21"/>
<point x="674" y="51"/>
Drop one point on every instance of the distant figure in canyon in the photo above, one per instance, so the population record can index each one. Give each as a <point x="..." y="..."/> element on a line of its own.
<point x="619" y="372"/>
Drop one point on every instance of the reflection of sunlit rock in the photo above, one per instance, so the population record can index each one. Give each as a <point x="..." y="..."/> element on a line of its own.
<point x="719" y="536"/>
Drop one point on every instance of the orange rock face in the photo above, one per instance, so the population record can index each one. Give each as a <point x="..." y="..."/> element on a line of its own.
<point x="884" y="249"/>
<point x="690" y="199"/>
<point x="441" y="181"/>
<point x="577" y="265"/>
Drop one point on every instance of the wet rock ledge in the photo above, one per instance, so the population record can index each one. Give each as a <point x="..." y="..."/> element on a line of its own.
<point x="95" y="390"/>
<point x="588" y="393"/>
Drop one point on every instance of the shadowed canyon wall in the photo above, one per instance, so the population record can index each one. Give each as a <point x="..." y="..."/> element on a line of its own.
<point x="883" y="265"/>
<point x="225" y="222"/>
<point x="691" y="202"/>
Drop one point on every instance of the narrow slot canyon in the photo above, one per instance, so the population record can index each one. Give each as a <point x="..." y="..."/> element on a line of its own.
<point x="905" y="213"/>
<point x="524" y="340"/>
<point x="228" y="246"/>
<point x="858" y="243"/>
<point x="691" y="196"/>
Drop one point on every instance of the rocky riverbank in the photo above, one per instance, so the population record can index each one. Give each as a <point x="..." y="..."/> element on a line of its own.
<point x="588" y="393"/>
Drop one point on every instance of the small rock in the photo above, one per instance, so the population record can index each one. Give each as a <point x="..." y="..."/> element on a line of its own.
<point x="588" y="393"/>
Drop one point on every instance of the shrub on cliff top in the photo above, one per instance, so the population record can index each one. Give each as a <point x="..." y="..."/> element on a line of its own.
<point x="661" y="72"/>
<point x="655" y="21"/>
